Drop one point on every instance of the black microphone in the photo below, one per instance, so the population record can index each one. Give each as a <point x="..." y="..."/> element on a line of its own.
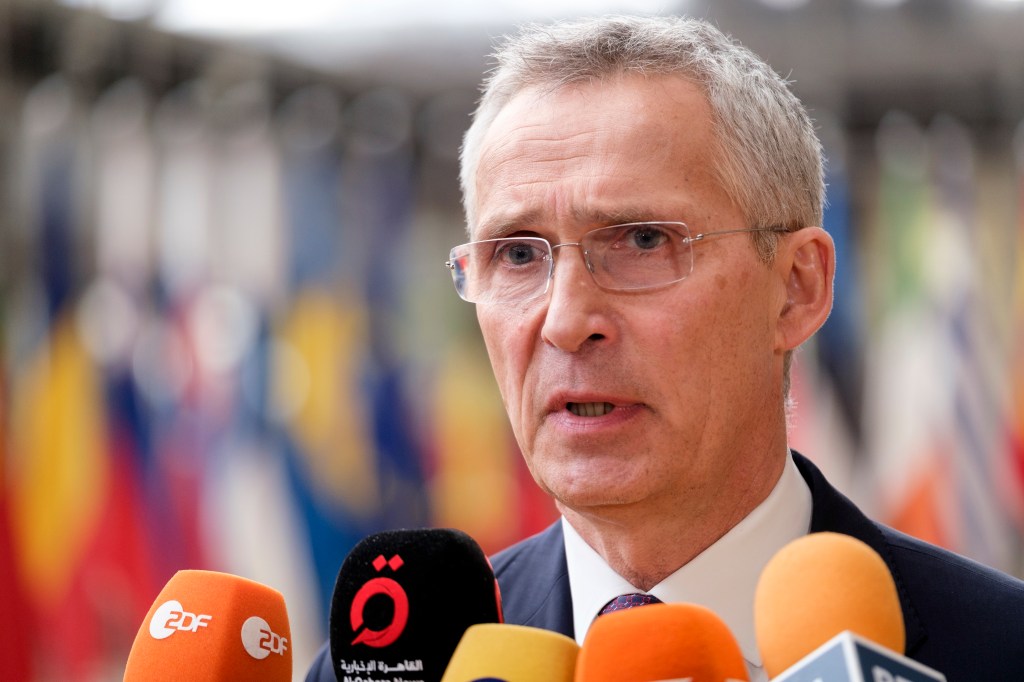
<point x="403" y="600"/>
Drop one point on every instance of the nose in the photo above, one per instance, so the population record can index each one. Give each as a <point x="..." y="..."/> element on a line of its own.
<point x="577" y="312"/>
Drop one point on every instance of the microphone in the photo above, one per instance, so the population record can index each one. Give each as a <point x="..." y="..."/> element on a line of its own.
<point x="826" y="607"/>
<point x="212" y="627"/>
<point x="660" y="642"/>
<point x="512" y="653"/>
<point x="403" y="600"/>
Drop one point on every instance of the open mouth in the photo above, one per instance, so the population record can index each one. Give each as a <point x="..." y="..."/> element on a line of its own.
<point x="590" y="409"/>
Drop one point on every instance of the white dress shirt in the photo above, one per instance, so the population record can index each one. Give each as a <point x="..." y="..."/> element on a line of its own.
<point x="723" y="577"/>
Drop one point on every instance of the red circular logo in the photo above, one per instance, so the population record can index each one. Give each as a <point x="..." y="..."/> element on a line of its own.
<point x="373" y="587"/>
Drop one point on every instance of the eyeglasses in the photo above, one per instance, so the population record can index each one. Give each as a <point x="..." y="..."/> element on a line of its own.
<point x="626" y="257"/>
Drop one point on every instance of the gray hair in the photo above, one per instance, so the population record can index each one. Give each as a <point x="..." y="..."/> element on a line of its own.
<point x="770" y="160"/>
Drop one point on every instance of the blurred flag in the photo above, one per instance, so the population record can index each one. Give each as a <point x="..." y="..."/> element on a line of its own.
<point x="58" y="468"/>
<point x="977" y="378"/>
<point x="61" y="486"/>
<point x="907" y="396"/>
<point x="378" y="196"/>
<point x="840" y="342"/>
<point x="16" y="627"/>
<point x="254" y="523"/>
<point x="473" y="478"/>
<point x="1015" y="493"/>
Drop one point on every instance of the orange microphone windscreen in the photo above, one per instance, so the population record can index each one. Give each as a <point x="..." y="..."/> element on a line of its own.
<point x="512" y="653"/>
<point x="818" y="586"/>
<point x="660" y="642"/>
<point x="213" y="627"/>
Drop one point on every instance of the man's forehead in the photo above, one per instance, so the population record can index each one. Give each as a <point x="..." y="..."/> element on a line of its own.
<point x="599" y="161"/>
<point x="630" y="107"/>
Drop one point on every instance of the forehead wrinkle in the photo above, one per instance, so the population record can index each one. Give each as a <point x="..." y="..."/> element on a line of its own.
<point x="535" y="150"/>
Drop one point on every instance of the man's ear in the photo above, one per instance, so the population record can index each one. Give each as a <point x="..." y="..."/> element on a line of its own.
<point x="806" y="260"/>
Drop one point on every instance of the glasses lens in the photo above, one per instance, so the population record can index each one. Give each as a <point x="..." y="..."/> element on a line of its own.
<point x="501" y="270"/>
<point x="639" y="255"/>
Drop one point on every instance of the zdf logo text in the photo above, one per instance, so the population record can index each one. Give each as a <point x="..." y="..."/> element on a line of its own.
<point x="171" y="617"/>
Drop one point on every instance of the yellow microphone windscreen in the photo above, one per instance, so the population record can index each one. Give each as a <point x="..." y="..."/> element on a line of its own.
<point x="818" y="586"/>
<point x="512" y="653"/>
<point x="213" y="627"/>
<point x="660" y="642"/>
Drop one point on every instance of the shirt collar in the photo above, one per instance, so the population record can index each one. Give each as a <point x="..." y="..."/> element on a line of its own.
<point x="723" y="577"/>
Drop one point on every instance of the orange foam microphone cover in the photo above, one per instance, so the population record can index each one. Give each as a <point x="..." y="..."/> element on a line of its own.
<point x="206" y="626"/>
<point x="660" y="642"/>
<point x="818" y="586"/>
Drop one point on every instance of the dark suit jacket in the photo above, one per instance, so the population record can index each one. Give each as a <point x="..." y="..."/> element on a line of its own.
<point x="963" y="619"/>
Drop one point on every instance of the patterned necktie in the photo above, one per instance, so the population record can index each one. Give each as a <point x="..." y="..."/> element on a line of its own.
<point x="628" y="601"/>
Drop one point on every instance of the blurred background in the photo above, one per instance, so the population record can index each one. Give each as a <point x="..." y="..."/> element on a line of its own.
<point x="228" y="339"/>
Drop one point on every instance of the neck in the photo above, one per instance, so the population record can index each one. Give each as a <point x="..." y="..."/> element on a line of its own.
<point x="647" y="542"/>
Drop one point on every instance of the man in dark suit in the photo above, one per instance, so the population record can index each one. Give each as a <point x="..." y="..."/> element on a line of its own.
<point x="644" y="198"/>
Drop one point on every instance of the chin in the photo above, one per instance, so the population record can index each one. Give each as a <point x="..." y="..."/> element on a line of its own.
<point x="588" y="482"/>
<point x="582" y="497"/>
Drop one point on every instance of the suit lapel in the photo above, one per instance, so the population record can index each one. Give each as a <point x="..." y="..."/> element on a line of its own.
<point x="536" y="581"/>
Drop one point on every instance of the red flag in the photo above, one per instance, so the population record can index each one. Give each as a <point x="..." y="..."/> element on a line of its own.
<point x="16" y="624"/>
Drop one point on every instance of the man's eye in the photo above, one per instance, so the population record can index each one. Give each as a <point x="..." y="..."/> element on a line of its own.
<point x="646" y="238"/>
<point x="517" y="254"/>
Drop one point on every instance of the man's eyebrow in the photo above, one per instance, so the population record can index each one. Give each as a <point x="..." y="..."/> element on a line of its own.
<point x="503" y="226"/>
<point x="618" y="216"/>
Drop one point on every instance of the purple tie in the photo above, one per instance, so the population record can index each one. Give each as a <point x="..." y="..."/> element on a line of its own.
<point x="628" y="601"/>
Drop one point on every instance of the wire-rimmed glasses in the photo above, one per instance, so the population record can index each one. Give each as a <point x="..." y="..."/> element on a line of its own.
<point x="628" y="257"/>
